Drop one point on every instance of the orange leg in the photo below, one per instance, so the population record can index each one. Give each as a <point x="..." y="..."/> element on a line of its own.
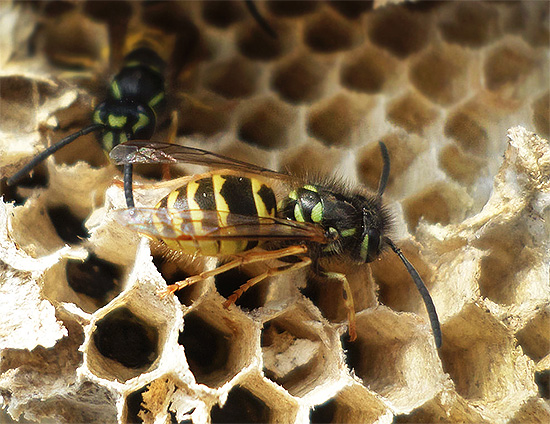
<point x="348" y="301"/>
<point x="246" y="258"/>
<point x="305" y="261"/>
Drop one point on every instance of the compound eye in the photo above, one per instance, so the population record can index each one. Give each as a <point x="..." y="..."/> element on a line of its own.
<point x="374" y="245"/>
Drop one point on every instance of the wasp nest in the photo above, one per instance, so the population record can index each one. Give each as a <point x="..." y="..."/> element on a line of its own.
<point x="83" y="333"/>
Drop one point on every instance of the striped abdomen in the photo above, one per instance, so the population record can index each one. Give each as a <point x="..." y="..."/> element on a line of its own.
<point x="231" y="198"/>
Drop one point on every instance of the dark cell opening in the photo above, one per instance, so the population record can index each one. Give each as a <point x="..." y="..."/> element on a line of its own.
<point x="228" y="282"/>
<point x="133" y="406"/>
<point x="542" y="378"/>
<point x="323" y="413"/>
<point x="206" y="348"/>
<point x="241" y="407"/>
<point x="125" y="338"/>
<point x="67" y="226"/>
<point x="94" y="277"/>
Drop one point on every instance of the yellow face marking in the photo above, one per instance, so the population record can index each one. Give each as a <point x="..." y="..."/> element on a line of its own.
<point x="97" y="118"/>
<point x="317" y="212"/>
<point x="142" y="122"/>
<point x="364" y="248"/>
<point x="293" y="195"/>
<point x="349" y="232"/>
<point x="298" y="213"/>
<point x="115" y="90"/>
<point x="107" y="141"/>
<point x="156" y="100"/>
<point x="310" y="188"/>
<point x="117" y="121"/>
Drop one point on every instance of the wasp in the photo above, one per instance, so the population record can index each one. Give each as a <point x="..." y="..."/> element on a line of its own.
<point x="136" y="95"/>
<point x="233" y="211"/>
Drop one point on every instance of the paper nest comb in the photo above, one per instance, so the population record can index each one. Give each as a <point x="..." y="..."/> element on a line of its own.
<point x="444" y="85"/>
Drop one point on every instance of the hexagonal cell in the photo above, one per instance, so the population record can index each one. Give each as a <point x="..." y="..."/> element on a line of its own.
<point x="300" y="79"/>
<point x="442" y="74"/>
<point x="68" y="227"/>
<point x="469" y="130"/>
<point x="354" y="404"/>
<point x="227" y="282"/>
<point x="152" y="402"/>
<point x="511" y="259"/>
<point x="338" y="120"/>
<point x="321" y="159"/>
<point x="216" y="348"/>
<point x="294" y="355"/>
<point x="203" y="115"/>
<point x="534" y="338"/>
<point x="470" y="25"/>
<point x="541" y="114"/>
<point x="127" y="337"/>
<point x="412" y="112"/>
<point x="508" y="65"/>
<point x="267" y="124"/>
<point x="90" y="283"/>
<point x="18" y="95"/>
<point x="442" y="203"/>
<point x="327" y="293"/>
<point x="459" y="165"/>
<point x="255" y="401"/>
<point x="123" y="337"/>
<point x="73" y="40"/>
<point x="403" y="150"/>
<point x="235" y="78"/>
<point x="369" y="70"/>
<point x="394" y="355"/>
<point x="399" y="31"/>
<point x="396" y="287"/>
<point x="329" y="33"/>
<point x="479" y="355"/>
<point x="254" y="43"/>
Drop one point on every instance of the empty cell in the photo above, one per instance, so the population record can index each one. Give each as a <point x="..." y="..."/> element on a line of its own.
<point x="93" y="277"/>
<point x="329" y="33"/>
<point x="459" y="165"/>
<point x="351" y="9"/>
<point x="207" y="350"/>
<point x="267" y="124"/>
<point x="441" y="74"/>
<point x="468" y="130"/>
<point x="235" y="78"/>
<point x="470" y="24"/>
<point x="67" y="226"/>
<point x="227" y="282"/>
<point x="127" y="339"/>
<point x="173" y="270"/>
<point x="203" y="116"/>
<point x="399" y="31"/>
<point x="335" y="121"/>
<point x="534" y="338"/>
<point x="478" y="354"/>
<point x="300" y="79"/>
<point x="241" y="406"/>
<point x="293" y="8"/>
<point x="508" y="66"/>
<point x="18" y="99"/>
<point x="254" y="43"/>
<point x="412" y="112"/>
<point x="369" y="70"/>
<point x="222" y="14"/>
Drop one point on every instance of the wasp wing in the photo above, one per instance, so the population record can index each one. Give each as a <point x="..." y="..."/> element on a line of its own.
<point x="142" y="151"/>
<point x="196" y="224"/>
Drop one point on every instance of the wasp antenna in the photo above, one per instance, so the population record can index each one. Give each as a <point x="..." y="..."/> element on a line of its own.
<point x="128" y="191"/>
<point x="430" y="307"/>
<point x="50" y="151"/>
<point x="251" y="6"/>
<point x="385" y="171"/>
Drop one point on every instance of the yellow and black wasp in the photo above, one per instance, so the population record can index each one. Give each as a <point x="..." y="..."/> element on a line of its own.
<point x="234" y="211"/>
<point x="135" y="98"/>
<point x="136" y="95"/>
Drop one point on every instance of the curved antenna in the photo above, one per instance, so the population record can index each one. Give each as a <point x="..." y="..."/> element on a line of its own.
<point x="385" y="171"/>
<point x="432" y="313"/>
<point x="50" y="151"/>
<point x="251" y="6"/>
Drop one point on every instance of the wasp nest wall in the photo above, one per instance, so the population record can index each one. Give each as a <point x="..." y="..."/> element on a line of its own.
<point x="84" y="336"/>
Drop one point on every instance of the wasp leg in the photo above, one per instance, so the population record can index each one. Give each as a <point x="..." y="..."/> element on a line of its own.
<point x="246" y="258"/>
<point x="304" y="261"/>
<point x="348" y="301"/>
